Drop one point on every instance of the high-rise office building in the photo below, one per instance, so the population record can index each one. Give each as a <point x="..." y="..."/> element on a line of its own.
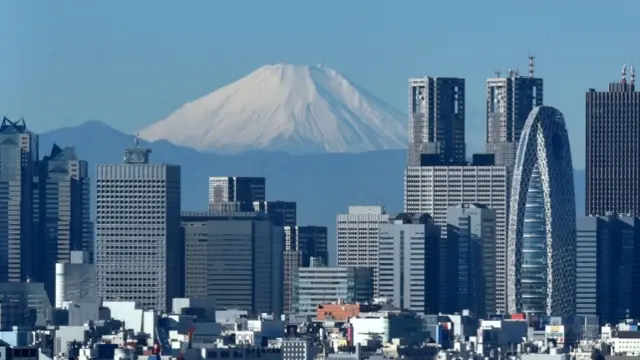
<point x="315" y="286"/>
<point x="64" y="187"/>
<point x="302" y="243"/>
<point x="234" y="259"/>
<point x="75" y="279"/>
<point x="510" y="99"/>
<point x="542" y="226"/>
<point x="471" y="238"/>
<point x="613" y="149"/>
<point x="236" y="189"/>
<point x="358" y="238"/>
<point x="285" y="211"/>
<point x="19" y="221"/>
<point x="608" y="267"/>
<point x="139" y="251"/>
<point x="408" y="274"/>
<point x="435" y="189"/>
<point x="436" y="119"/>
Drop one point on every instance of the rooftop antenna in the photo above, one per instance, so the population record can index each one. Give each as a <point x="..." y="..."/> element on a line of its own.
<point x="633" y="74"/>
<point x="136" y="141"/>
<point x="624" y="73"/>
<point x="531" y="58"/>
<point x="497" y="72"/>
<point x="510" y="72"/>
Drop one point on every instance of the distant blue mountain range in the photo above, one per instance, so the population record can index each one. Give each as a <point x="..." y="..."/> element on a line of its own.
<point x="322" y="184"/>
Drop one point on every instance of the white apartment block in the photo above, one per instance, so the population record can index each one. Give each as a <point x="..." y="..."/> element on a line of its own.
<point x="436" y="189"/>
<point x="358" y="238"/>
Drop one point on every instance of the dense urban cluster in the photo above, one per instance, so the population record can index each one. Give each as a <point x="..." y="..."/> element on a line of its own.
<point x="488" y="259"/>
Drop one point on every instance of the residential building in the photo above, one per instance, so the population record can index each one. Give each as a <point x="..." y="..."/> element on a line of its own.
<point x="471" y="236"/>
<point x="315" y="286"/>
<point x="613" y="149"/>
<point x="235" y="259"/>
<point x="243" y="190"/>
<point x="358" y="238"/>
<point x="408" y="274"/>
<point x="436" y="119"/>
<point x="138" y="236"/>
<point x="542" y="229"/>
<point x="436" y="189"/>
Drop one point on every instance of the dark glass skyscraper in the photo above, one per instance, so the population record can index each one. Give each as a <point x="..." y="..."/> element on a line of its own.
<point x="613" y="149"/>
<point x="436" y="119"/>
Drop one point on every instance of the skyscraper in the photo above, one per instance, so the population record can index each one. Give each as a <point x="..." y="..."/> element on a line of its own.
<point x="234" y="259"/>
<point x="139" y="250"/>
<point x="19" y="221"/>
<point x="509" y="101"/>
<point x="613" y="149"/>
<point x="243" y="191"/>
<point x="542" y="222"/>
<point x="435" y="189"/>
<point x="436" y="119"/>
<point x="64" y="210"/>
<point x="471" y="236"/>
<point x="409" y="262"/>
<point x="358" y="240"/>
<point x="608" y="267"/>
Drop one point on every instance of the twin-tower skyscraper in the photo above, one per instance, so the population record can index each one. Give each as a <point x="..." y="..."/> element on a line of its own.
<point x="529" y="142"/>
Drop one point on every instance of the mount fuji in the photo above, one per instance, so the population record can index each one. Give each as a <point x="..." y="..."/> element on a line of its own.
<point x="290" y="108"/>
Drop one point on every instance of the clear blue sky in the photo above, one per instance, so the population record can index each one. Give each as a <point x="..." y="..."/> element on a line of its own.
<point x="130" y="63"/>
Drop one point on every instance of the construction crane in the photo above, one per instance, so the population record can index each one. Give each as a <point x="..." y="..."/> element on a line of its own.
<point x="187" y="345"/>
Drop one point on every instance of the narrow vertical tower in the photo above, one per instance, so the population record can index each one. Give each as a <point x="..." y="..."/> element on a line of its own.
<point x="531" y="69"/>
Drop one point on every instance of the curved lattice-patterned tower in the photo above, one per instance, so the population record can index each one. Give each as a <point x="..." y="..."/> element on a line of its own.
<point x="541" y="270"/>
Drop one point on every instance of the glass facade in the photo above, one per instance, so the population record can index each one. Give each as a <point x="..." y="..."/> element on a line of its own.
<point x="533" y="276"/>
<point x="541" y="276"/>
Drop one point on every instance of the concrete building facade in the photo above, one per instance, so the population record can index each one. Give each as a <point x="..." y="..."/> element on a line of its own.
<point x="435" y="189"/>
<point x="138" y="236"/>
<point x="358" y="238"/>
<point x="315" y="286"/>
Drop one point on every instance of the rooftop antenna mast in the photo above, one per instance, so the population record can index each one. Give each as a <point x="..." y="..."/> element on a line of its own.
<point x="531" y="58"/>
<point x="633" y="74"/>
<point x="624" y="73"/>
<point x="497" y="72"/>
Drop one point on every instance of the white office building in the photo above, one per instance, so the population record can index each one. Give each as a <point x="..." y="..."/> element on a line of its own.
<point x="436" y="189"/>
<point x="75" y="280"/>
<point x="358" y="238"/>
<point x="138" y="233"/>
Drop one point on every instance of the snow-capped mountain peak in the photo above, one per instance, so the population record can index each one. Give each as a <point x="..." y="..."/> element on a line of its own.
<point x="294" y="108"/>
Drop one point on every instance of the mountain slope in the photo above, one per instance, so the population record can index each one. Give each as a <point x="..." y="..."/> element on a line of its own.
<point x="293" y="108"/>
<point x="336" y="180"/>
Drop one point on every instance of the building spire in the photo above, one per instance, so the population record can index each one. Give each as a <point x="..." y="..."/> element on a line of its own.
<point x="136" y="141"/>
<point x="624" y="73"/>
<point x="633" y="74"/>
<point x="531" y="58"/>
